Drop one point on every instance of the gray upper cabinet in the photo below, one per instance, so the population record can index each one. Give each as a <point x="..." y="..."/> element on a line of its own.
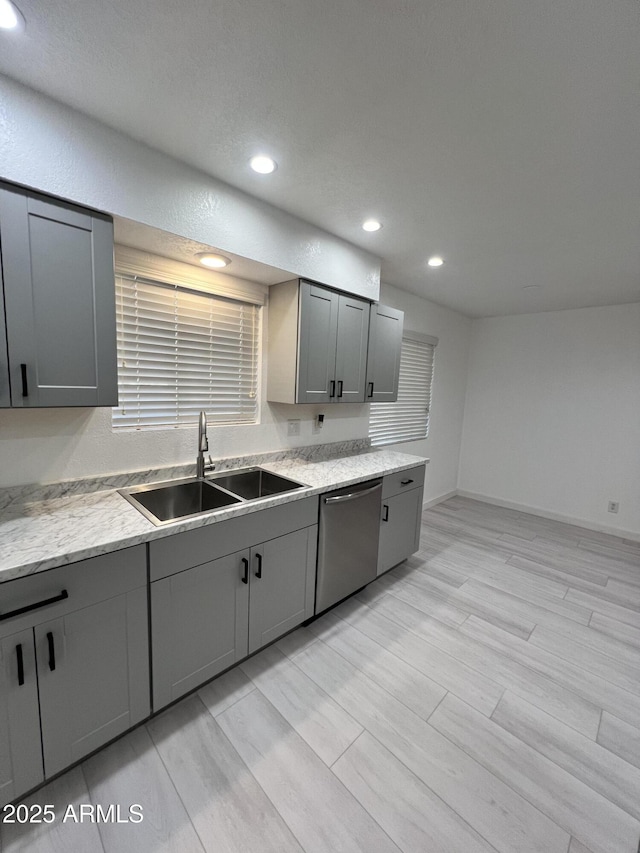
<point x="318" y="331"/>
<point x="317" y="345"/>
<point x="59" y="296"/>
<point x="383" y="359"/>
<point x="351" y="349"/>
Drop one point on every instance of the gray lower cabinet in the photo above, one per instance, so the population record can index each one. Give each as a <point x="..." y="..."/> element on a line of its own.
<point x="207" y="614"/>
<point x="199" y="620"/>
<point x="282" y="588"/>
<point x="59" y="303"/>
<point x="74" y="670"/>
<point x="401" y="517"/>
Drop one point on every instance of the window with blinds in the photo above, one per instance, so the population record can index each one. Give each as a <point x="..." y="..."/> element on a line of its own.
<point x="180" y="351"/>
<point x="408" y="418"/>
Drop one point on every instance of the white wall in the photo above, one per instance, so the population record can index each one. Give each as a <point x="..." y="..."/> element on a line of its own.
<point x="449" y="386"/>
<point x="49" y="146"/>
<point x="48" y="445"/>
<point x="552" y="417"/>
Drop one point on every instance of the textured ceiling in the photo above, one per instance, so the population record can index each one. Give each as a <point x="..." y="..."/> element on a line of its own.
<point x="501" y="134"/>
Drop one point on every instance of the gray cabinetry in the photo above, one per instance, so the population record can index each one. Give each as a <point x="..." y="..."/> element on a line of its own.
<point x="74" y="668"/>
<point x="317" y="336"/>
<point x="282" y="585"/>
<point x="59" y="297"/>
<point x="317" y="345"/>
<point x="199" y="621"/>
<point x="383" y="357"/>
<point x="257" y="583"/>
<point x="401" y="517"/>
<point x="20" y="751"/>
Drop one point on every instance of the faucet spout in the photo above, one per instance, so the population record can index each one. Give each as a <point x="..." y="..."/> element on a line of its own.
<point x="203" y="443"/>
<point x="203" y="446"/>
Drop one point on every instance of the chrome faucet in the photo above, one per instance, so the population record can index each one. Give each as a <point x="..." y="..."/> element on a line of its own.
<point x="203" y="446"/>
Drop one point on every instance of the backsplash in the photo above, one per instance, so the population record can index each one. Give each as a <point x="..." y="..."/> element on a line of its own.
<point x="15" y="495"/>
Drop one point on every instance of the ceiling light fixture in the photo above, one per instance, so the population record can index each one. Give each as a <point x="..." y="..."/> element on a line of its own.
<point x="262" y="164"/>
<point x="214" y="261"/>
<point x="371" y="225"/>
<point x="11" y="18"/>
<point x="435" y="261"/>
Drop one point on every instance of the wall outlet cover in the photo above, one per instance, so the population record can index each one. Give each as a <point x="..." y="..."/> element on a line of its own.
<point x="613" y="506"/>
<point x="293" y="427"/>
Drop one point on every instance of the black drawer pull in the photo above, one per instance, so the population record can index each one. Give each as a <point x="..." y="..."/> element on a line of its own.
<point x="332" y="387"/>
<point x="340" y="384"/>
<point x="405" y="482"/>
<point x="370" y="394"/>
<point x="385" y="517"/>
<point x="20" y="664"/>
<point x="64" y="594"/>
<point x="259" y="559"/>
<point x="25" y="384"/>
<point x="245" y="576"/>
<point x="52" y="651"/>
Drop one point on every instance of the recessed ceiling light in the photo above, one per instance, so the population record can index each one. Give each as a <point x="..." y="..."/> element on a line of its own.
<point x="435" y="261"/>
<point x="11" y="18"/>
<point x="262" y="164"/>
<point x="213" y="261"/>
<point x="371" y="225"/>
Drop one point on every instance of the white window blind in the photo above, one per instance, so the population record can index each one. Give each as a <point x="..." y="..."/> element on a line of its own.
<point x="408" y="418"/>
<point x="180" y="351"/>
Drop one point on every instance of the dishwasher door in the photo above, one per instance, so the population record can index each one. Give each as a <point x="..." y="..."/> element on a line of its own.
<point x="348" y="536"/>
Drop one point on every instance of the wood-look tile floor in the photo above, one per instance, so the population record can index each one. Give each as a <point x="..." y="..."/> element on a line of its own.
<point x="482" y="696"/>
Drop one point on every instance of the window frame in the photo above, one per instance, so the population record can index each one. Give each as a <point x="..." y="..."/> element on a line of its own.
<point x="192" y="282"/>
<point x="391" y="426"/>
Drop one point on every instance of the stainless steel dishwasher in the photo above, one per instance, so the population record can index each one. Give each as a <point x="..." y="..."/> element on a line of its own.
<point x="347" y="541"/>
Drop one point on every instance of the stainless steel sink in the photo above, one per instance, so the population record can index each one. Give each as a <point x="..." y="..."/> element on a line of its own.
<point x="162" y="503"/>
<point x="252" y="483"/>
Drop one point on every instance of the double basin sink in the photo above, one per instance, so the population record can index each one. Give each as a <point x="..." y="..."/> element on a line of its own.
<point x="163" y="503"/>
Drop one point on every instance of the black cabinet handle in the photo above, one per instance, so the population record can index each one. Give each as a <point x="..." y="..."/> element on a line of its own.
<point x="245" y="576"/>
<point x="259" y="559"/>
<point x="64" y="594"/>
<point x="370" y="394"/>
<point x="20" y="664"/>
<point x="332" y="387"/>
<point x="340" y="384"/>
<point x="405" y="482"/>
<point x="25" y="385"/>
<point x="385" y="517"/>
<point x="52" y="651"/>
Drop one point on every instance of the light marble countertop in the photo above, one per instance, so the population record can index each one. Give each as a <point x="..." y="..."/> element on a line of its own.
<point x="49" y="526"/>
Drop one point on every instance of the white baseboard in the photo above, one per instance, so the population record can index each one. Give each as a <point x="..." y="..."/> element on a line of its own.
<point x="439" y="499"/>
<point x="554" y="516"/>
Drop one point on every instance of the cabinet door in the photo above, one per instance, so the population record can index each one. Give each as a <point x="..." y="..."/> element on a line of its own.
<point x="399" y="528"/>
<point x="59" y="288"/>
<point x="351" y="349"/>
<point x="199" y="621"/>
<point x="383" y="357"/>
<point x="317" y="332"/>
<point x="93" y="675"/>
<point x="20" y="750"/>
<point x="283" y="573"/>
<point x="5" y="396"/>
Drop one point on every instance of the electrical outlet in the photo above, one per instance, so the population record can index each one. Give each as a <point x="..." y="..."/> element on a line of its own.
<point x="293" y="427"/>
<point x="613" y="506"/>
